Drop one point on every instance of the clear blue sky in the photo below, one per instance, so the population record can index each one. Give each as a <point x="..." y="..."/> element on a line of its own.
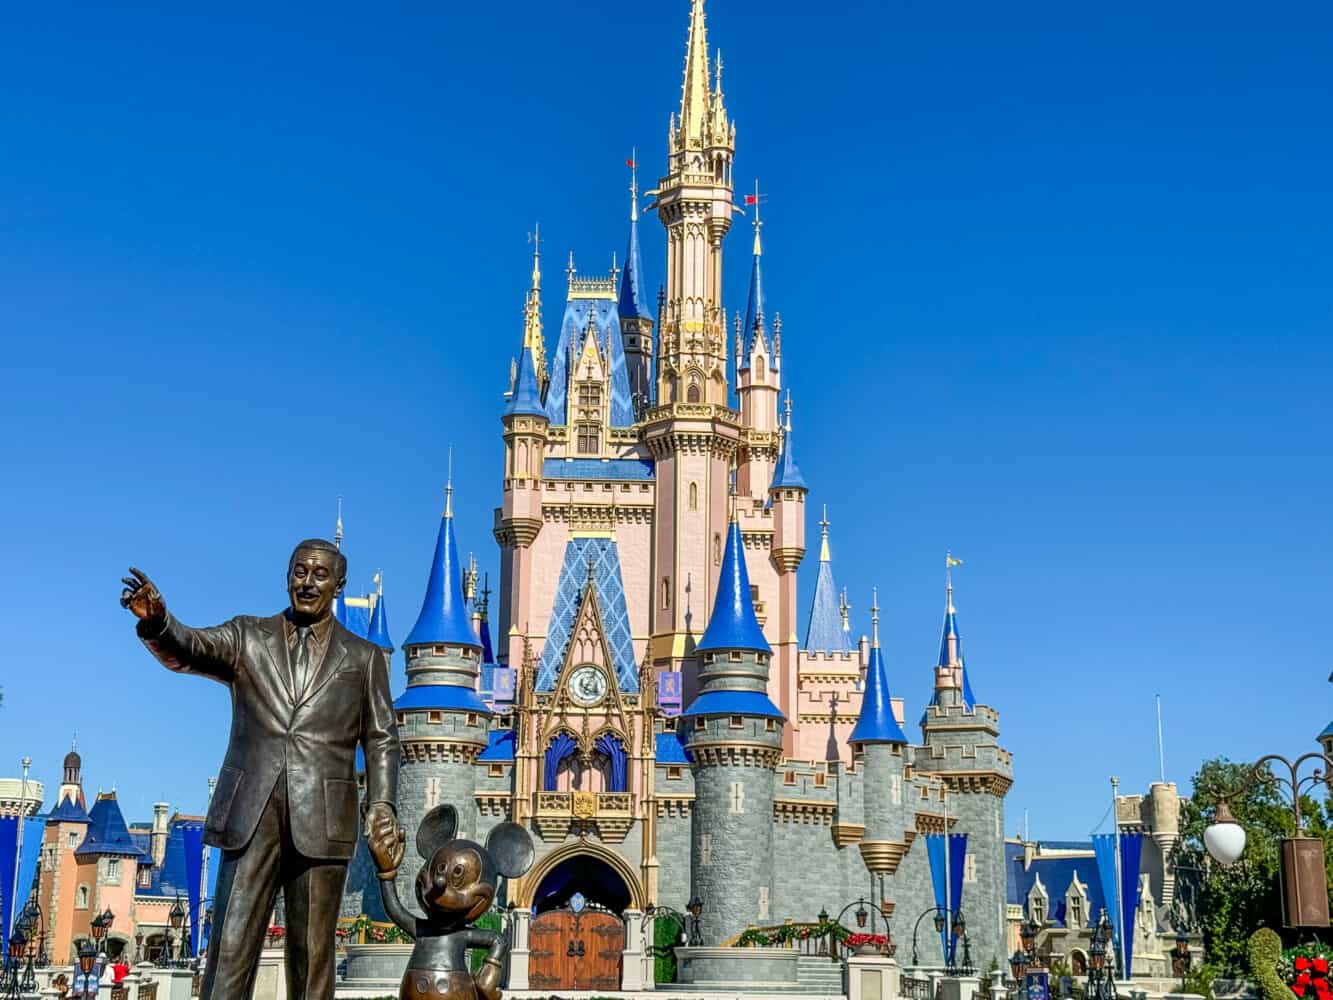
<point x="1055" y="283"/>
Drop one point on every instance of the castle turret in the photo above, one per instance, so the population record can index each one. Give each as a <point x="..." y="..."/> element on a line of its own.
<point x="636" y="323"/>
<point x="758" y="382"/>
<point x="442" y="721"/>
<point x="787" y="494"/>
<point x="879" y="743"/>
<point x="379" y="619"/>
<point x="734" y="735"/>
<point x="962" y="747"/>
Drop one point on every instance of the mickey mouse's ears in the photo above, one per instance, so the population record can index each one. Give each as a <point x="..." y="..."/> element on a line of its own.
<point x="436" y="830"/>
<point x="510" y="847"/>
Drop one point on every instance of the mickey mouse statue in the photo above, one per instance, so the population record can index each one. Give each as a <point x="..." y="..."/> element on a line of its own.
<point x="455" y="886"/>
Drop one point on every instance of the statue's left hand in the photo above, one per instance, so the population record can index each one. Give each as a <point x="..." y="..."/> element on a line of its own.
<point x="386" y="839"/>
<point x="487" y="980"/>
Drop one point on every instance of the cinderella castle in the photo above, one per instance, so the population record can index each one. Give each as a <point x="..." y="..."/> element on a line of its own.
<point x="653" y="708"/>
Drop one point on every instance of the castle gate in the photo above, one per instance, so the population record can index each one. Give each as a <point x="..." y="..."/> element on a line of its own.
<point x="577" y="938"/>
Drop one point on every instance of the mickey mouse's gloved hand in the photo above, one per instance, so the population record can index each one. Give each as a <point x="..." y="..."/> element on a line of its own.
<point x="488" y="979"/>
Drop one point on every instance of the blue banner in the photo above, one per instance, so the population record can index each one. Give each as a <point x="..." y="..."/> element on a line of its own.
<point x="32" y="850"/>
<point x="193" y="836"/>
<point x="561" y="746"/>
<point x="935" y="854"/>
<point x="610" y="745"/>
<point x="1131" y="849"/>
<point x="1103" y="846"/>
<point x="957" y="860"/>
<point x="9" y="843"/>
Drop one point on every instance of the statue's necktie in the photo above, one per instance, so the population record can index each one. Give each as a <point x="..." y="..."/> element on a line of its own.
<point x="301" y="661"/>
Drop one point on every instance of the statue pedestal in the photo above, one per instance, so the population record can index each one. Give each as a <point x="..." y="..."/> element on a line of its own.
<point x="271" y="982"/>
<point x="959" y="988"/>
<point x="631" y="966"/>
<point x="872" y="977"/>
<point x="519" y="951"/>
<point x="178" y="984"/>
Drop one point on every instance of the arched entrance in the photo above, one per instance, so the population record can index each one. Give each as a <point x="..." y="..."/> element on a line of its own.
<point x="577" y="938"/>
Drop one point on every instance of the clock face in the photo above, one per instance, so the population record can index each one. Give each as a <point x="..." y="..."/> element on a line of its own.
<point x="587" y="685"/>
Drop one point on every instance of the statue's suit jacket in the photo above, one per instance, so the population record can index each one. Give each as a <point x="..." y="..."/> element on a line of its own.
<point x="310" y="735"/>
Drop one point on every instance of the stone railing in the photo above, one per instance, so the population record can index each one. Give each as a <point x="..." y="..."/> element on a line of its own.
<point x="914" y="989"/>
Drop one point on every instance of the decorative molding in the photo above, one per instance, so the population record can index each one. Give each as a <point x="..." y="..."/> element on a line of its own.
<point x="806" y="811"/>
<point x="884" y="856"/>
<point x="846" y="834"/>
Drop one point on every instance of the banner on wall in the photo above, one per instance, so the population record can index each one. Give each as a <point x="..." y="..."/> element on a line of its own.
<point x="1122" y="895"/>
<point x="957" y="859"/>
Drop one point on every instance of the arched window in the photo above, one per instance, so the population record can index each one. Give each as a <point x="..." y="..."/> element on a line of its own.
<point x="82" y="901"/>
<point x="692" y="393"/>
<point x="717" y="549"/>
<point x="522" y="469"/>
<point x="759" y="367"/>
<point x="694" y="496"/>
<point x="666" y="593"/>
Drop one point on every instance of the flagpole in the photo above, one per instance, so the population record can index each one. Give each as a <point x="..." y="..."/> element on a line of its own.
<point x="1119" y="879"/>
<point x="948" y="912"/>
<point x="1161" y="753"/>
<point x="25" y="763"/>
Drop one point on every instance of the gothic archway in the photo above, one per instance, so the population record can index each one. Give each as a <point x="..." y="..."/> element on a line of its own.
<point x="591" y="865"/>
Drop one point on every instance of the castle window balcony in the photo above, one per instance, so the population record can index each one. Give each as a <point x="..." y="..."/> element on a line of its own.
<point x="607" y="814"/>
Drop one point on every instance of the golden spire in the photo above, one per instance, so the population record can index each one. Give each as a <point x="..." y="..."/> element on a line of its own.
<point x="874" y="619"/>
<point x="695" y="96"/>
<point x="532" y="308"/>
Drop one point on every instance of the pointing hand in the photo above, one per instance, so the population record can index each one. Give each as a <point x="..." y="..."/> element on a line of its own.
<point x="142" y="597"/>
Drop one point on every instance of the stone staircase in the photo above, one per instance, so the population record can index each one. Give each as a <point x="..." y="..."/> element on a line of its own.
<point x="818" y="974"/>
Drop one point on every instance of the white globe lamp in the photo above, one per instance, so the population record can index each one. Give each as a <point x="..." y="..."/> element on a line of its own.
<point x="1224" y="837"/>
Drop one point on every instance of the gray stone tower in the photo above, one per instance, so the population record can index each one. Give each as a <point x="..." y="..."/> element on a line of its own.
<point x="879" y="744"/>
<point x="734" y="734"/>
<point x="961" y="748"/>
<point x="442" y="722"/>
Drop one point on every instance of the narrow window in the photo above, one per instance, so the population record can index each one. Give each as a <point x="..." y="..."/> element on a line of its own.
<point x="82" y="902"/>
<point x="666" y="593"/>
<point x="717" y="550"/>
<point x="673" y="773"/>
<point x="821" y="780"/>
<point x="496" y="770"/>
<point x="692" y="393"/>
<point x="694" y="496"/>
<point x="737" y="722"/>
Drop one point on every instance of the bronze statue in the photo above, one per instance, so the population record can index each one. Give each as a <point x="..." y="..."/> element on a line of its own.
<point x="455" y="886"/>
<point x="304" y="692"/>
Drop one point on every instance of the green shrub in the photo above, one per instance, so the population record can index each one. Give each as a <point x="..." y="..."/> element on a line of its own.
<point x="1199" y="980"/>
<point x="1265" y="952"/>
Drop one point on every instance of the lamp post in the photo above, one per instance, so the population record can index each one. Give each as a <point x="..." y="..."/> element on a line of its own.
<point x="35" y="920"/>
<point x="1181" y="959"/>
<point x="863" y="913"/>
<point x="176" y="917"/>
<point x="696" y="908"/>
<point x="1304" y="893"/>
<point x="939" y="929"/>
<point x="85" y="980"/>
<point x="18" y="941"/>
<point x="1101" y="978"/>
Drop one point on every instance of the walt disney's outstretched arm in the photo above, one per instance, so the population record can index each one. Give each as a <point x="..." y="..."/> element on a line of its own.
<point x="210" y="652"/>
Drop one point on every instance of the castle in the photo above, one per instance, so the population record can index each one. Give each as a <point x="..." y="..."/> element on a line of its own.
<point x="649" y="710"/>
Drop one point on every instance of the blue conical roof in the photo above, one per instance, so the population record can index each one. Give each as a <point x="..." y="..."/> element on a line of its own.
<point x="526" y="399"/>
<point x="733" y="624"/>
<point x="877" y="723"/>
<point x="631" y="282"/>
<point x="825" y="633"/>
<point x="487" y="652"/>
<point x="379" y="626"/>
<point x="69" y="810"/>
<point x="950" y="631"/>
<point x="107" y="833"/>
<point x="443" y="618"/>
<point x="787" y="475"/>
<point x="754" y="311"/>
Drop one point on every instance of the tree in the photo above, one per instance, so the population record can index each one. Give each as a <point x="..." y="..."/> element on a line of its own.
<point x="1230" y="904"/>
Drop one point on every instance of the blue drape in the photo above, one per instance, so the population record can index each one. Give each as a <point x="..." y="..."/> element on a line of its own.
<point x="1103" y="846"/>
<point x="193" y="836"/>
<point x="957" y="859"/>
<point x="610" y="745"/>
<point x="935" y="853"/>
<point x="9" y="842"/>
<point x="1131" y="849"/>
<point x="562" y="745"/>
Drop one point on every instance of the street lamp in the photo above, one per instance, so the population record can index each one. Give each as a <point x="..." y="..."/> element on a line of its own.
<point x="1101" y="981"/>
<point x="1181" y="960"/>
<point x="696" y="908"/>
<point x="1304" y="893"/>
<point x="939" y="921"/>
<point x="176" y="917"/>
<point x="861" y="914"/>
<point x="98" y="928"/>
<point x="85" y="980"/>
<point x="17" y="942"/>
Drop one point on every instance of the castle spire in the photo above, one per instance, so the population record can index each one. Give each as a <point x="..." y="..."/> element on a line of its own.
<point x="733" y="624"/>
<point x="787" y="474"/>
<point x="443" y="618"/>
<point x="533" y="339"/>
<point x="695" y="97"/>
<point x="631" y="280"/>
<point x="951" y="640"/>
<point x="754" y="307"/>
<point x="827" y="630"/>
<point x="877" y="723"/>
<point x="378" y="632"/>
<point x="338" y="527"/>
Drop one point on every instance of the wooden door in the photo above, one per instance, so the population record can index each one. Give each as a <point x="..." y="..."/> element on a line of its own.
<point x="575" y="951"/>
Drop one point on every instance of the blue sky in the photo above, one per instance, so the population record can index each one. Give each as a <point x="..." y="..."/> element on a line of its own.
<point x="1056" y="294"/>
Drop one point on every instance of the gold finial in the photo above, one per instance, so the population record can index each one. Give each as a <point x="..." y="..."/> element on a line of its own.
<point x="535" y="238"/>
<point x="449" y="486"/>
<point x="338" y="528"/>
<point x="874" y="618"/>
<point x="758" y="224"/>
<point x="823" y="536"/>
<point x="844" y="608"/>
<point x="787" y="425"/>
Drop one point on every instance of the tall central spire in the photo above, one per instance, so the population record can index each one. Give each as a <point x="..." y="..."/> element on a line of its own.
<point x="695" y="97"/>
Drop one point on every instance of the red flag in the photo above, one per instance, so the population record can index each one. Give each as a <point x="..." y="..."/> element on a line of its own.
<point x="751" y="199"/>
<point x="631" y="164"/>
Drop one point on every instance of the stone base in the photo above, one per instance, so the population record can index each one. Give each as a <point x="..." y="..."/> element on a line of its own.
<point x="751" y="969"/>
<point x="959" y="988"/>
<point x="376" y="965"/>
<point x="872" y="977"/>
